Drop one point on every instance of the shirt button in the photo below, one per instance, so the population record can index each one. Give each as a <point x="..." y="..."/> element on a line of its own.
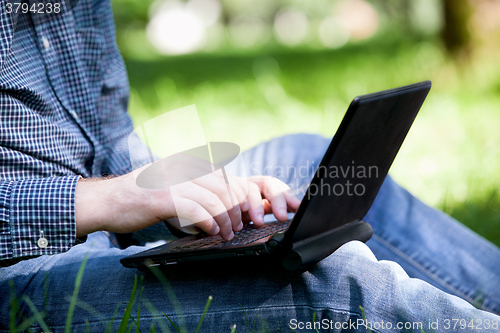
<point x="46" y="43"/>
<point x="42" y="243"/>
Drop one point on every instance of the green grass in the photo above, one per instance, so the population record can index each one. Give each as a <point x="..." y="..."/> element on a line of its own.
<point x="450" y="158"/>
<point x="21" y="321"/>
<point x="18" y="320"/>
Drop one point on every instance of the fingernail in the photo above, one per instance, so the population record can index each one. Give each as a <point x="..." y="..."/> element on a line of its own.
<point x="240" y="226"/>
<point x="283" y="212"/>
<point x="217" y="229"/>
<point x="231" y="235"/>
<point x="260" y="217"/>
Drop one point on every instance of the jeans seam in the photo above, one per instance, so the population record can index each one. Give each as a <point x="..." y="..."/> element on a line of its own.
<point x="197" y="314"/>
<point x="425" y="271"/>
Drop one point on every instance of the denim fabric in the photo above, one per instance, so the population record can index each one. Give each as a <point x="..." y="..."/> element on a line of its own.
<point x="429" y="245"/>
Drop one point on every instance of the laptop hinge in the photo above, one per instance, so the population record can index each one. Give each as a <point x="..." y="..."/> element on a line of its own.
<point x="318" y="247"/>
<point x="275" y="243"/>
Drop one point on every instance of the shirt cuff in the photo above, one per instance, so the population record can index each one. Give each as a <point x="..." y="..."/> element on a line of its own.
<point x="41" y="216"/>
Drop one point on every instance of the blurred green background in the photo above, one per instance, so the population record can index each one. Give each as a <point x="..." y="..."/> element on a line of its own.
<point x="257" y="69"/>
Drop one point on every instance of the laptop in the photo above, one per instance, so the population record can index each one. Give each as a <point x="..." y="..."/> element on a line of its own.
<point x="340" y="194"/>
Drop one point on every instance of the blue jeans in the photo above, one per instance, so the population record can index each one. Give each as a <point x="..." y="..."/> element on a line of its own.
<point x="421" y="269"/>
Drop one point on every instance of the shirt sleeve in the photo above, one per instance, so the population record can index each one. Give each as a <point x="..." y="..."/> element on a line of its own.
<point x="37" y="217"/>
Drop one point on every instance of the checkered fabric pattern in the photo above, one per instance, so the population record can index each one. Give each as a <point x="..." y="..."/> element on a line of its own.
<point x="63" y="102"/>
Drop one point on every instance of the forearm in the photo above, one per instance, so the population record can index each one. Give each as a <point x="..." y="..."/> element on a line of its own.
<point x="115" y="205"/>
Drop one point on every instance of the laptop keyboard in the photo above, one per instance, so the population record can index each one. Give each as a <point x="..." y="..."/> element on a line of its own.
<point x="245" y="236"/>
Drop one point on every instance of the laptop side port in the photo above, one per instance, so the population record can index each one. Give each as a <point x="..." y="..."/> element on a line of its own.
<point x="151" y="263"/>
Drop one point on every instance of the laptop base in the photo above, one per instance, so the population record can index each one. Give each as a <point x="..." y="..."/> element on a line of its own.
<point x="314" y="249"/>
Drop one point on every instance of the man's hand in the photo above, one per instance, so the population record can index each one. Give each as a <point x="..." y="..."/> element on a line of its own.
<point x="120" y="205"/>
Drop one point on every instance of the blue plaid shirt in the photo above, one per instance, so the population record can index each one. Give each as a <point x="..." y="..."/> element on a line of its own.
<point x="63" y="100"/>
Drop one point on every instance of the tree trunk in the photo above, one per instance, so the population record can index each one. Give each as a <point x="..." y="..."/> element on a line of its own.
<point x="456" y="36"/>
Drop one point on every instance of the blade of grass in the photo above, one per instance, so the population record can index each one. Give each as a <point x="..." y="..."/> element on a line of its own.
<point x="137" y="327"/>
<point x="172" y="323"/>
<point x="171" y="295"/>
<point x="314" y="320"/>
<point x="364" y="317"/>
<point x="87" y="326"/>
<point x="14" y="307"/>
<point x="255" y="320"/>
<point x="89" y="308"/>
<point x="38" y="316"/>
<point x="133" y="322"/>
<point x="112" y="320"/>
<point x="203" y="315"/>
<point x="72" y="304"/>
<point x="245" y="315"/>
<point x="156" y="314"/>
<point x="126" y="316"/>
<point x="233" y="328"/>
<point x="27" y="323"/>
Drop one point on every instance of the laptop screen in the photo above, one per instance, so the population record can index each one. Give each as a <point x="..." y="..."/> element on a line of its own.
<point x="357" y="160"/>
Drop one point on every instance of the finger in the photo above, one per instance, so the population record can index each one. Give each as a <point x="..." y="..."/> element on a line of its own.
<point x="272" y="189"/>
<point x="256" y="210"/>
<point x="216" y="183"/>
<point x="267" y="210"/>
<point x="194" y="212"/>
<point x="271" y="186"/>
<point x="236" y="189"/>
<point x="292" y="201"/>
<point x="240" y="187"/>
<point x="210" y="202"/>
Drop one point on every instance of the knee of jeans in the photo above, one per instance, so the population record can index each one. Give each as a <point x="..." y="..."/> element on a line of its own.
<point x="356" y="248"/>
<point x="358" y="252"/>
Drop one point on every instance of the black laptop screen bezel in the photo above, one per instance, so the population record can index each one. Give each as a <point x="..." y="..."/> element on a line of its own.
<point x="423" y="88"/>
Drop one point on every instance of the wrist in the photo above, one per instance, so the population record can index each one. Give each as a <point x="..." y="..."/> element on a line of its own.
<point x="115" y="205"/>
<point x="90" y="206"/>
